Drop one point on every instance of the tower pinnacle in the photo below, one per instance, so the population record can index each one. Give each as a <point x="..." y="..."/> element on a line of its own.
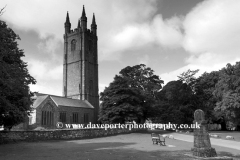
<point x="93" y="25"/>
<point x="84" y="20"/>
<point x="93" y="20"/>
<point x="67" y="24"/>
<point x="67" y="18"/>
<point x="79" y="24"/>
<point x="83" y="12"/>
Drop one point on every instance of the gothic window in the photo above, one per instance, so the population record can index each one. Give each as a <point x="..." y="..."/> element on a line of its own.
<point x="73" y="45"/>
<point x="62" y="117"/>
<point x="47" y="118"/>
<point x="75" y="117"/>
<point x="86" y="117"/>
<point x="47" y="115"/>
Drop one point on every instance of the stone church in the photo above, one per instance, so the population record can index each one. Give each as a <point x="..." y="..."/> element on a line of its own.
<point x="80" y="100"/>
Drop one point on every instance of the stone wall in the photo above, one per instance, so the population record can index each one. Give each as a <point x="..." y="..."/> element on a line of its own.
<point x="15" y="136"/>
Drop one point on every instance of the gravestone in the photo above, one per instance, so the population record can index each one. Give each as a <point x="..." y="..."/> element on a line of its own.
<point x="202" y="145"/>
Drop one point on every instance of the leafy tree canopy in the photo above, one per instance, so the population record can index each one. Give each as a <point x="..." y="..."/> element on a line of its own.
<point x="15" y="96"/>
<point x="189" y="78"/>
<point x="119" y="102"/>
<point x="227" y="93"/>
<point x="131" y="95"/>
<point x="175" y="103"/>
<point x="204" y="88"/>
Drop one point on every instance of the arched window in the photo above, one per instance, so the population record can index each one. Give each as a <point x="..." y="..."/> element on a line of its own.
<point x="73" y="45"/>
<point x="47" y="115"/>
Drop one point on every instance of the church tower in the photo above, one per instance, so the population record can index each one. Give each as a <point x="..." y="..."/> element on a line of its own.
<point x="80" y="62"/>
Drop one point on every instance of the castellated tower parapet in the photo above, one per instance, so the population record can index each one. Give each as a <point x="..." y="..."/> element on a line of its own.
<point x="80" y="62"/>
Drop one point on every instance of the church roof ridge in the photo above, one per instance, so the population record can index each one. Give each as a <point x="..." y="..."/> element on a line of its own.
<point x="42" y="94"/>
<point x="69" y="102"/>
<point x="61" y="101"/>
<point x="39" y="100"/>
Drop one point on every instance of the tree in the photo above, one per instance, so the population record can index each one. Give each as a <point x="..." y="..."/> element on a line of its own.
<point x="143" y="79"/>
<point x="227" y="92"/>
<point x="130" y="95"/>
<point x="2" y="10"/>
<point x="204" y="87"/>
<point x="189" y="78"/>
<point x="176" y="99"/>
<point x="119" y="102"/>
<point x="15" y="97"/>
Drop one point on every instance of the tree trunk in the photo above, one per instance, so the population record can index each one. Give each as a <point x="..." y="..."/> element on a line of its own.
<point x="223" y="125"/>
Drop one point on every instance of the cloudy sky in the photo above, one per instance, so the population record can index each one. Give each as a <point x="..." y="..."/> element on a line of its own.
<point x="170" y="36"/>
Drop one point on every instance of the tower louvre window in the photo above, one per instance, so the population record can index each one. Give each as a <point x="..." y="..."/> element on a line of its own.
<point x="73" y="45"/>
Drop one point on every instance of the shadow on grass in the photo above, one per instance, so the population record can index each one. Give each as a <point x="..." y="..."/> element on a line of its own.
<point x="119" y="151"/>
<point x="75" y="149"/>
<point x="158" y="131"/>
<point x="61" y="150"/>
<point x="228" y="154"/>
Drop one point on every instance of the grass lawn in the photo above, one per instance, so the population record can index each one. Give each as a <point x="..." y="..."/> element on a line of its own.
<point x="126" y="146"/>
<point x="222" y="134"/>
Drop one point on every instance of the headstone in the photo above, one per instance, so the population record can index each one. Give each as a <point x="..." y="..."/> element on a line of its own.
<point x="202" y="145"/>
